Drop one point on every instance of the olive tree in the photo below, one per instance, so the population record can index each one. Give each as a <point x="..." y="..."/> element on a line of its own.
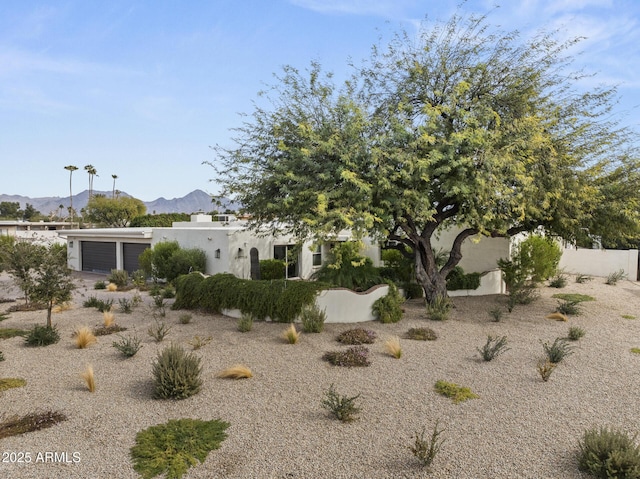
<point x="462" y="126"/>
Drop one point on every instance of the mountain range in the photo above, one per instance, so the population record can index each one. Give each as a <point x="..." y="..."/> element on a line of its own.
<point x="196" y="201"/>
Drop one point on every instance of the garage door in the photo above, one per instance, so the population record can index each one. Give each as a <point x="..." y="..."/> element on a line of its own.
<point x="130" y="253"/>
<point x="98" y="256"/>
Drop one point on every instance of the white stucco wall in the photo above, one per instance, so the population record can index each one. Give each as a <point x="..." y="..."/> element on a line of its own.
<point x="600" y="262"/>
<point x="479" y="253"/>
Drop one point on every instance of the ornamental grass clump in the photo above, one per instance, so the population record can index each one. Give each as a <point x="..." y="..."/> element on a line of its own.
<point x="575" y="333"/>
<point x="355" y="356"/>
<point x="342" y="407"/>
<point x="84" y="337"/>
<point x="291" y="334"/>
<point x="438" y="309"/>
<point x="172" y="448"/>
<point x="245" y="323"/>
<point x="393" y="348"/>
<point x="357" y="336"/>
<point x="609" y="453"/>
<point x="89" y="378"/>
<point x="177" y="374"/>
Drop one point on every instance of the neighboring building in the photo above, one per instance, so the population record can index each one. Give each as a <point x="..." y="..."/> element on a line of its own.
<point x="37" y="231"/>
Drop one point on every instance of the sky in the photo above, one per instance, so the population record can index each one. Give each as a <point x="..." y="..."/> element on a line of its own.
<point x="141" y="89"/>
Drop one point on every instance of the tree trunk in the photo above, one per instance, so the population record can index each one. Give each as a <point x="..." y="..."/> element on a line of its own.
<point x="432" y="281"/>
<point x="49" y="308"/>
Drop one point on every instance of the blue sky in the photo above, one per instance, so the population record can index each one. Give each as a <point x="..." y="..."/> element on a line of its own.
<point x="141" y="88"/>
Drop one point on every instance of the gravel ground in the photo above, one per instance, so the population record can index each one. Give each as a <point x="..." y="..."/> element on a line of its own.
<point x="519" y="427"/>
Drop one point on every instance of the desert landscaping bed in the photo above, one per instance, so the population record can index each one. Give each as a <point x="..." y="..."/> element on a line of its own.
<point x="519" y="426"/>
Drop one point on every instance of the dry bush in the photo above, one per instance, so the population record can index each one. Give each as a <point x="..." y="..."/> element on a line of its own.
<point x="112" y="287"/>
<point x="108" y="319"/>
<point x="237" y="371"/>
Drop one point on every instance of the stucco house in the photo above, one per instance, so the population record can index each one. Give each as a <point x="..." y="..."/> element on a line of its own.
<point x="37" y="231"/>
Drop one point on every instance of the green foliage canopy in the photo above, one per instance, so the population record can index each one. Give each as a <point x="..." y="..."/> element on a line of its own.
<point x="113" y="212"/>
<point x="460" y="126"/>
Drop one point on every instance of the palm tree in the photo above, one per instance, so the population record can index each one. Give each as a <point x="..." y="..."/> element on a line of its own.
<point x="92" y="172"/>
<point x="71" y="169"/>
<point x="115" y="177"/>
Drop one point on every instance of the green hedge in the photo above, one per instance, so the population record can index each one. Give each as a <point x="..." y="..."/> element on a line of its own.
<point x="457" y="279"/>
<point x="280" y="300"/>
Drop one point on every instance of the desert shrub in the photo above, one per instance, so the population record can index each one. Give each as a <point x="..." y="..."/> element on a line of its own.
<point x="558" y="281"/>
<point x="583" y="278"/>
<point x="89" y="378"/>
<point x="545" y="368"/>
<point x="272" y="269"/>
<point x="457" y="279"/>
<point x="356" y="336"/>
<point x="238" y="371"/>
<point x="291" y="334"/>
<point x="282" y="301"/>
<point x="575" y="333"/>
<point x="557" y="351"/>
<point x="568" y="307"/>
<point x="438" y="309"/>
<point x="397" y="266"/>
<point x="609" y="453"/>
<point x="6" y="333"/>
<point x="167" y="260"/>
<point x="387" y="309"/>
<point x="158" y="331"/>
<point x="4" y="316"/>
<point x="454" y="392"/>
<point x="496" y="314"/>
<point x="99" y="304"/>
<point x="199" y="342"/>
<point x="185" y="318"/>
<point x="106" y="330"/>
<point x="84" y="337"/>
<point x="42" y="336"/>
<point x="100" y="285"/>
<point x="119" y="277"/>
<point x="312" y="319"/>
<point x="10" y="383"/>
<point x="15" y="425"/>
<point x="412" y="290"/>
<point x="613" y="278"/>
<point x="128" y="346"/>
<point x="139" y="278"/>
<point x="245" y="323"/>
<point x="493" y="348"/>
<point x="347" y="268"/>
<point x="176" y="373"/>
<point x="126" y="305"/>
<point x="342" y="407"/>
<point x="393" y="348"/>
<point x="422" y="334"/>
<point x="355" y="356"/>
<point x="172" y="448"/>
<point x="426" y="450"/>
<point x="540" y="255"/>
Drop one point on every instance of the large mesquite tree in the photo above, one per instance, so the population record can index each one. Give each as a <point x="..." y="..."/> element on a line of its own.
<point x="462" y="127"/>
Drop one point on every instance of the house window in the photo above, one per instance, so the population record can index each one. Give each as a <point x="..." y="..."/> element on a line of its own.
<point x="317" y="256"/>
<point x="287" y="254"/>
